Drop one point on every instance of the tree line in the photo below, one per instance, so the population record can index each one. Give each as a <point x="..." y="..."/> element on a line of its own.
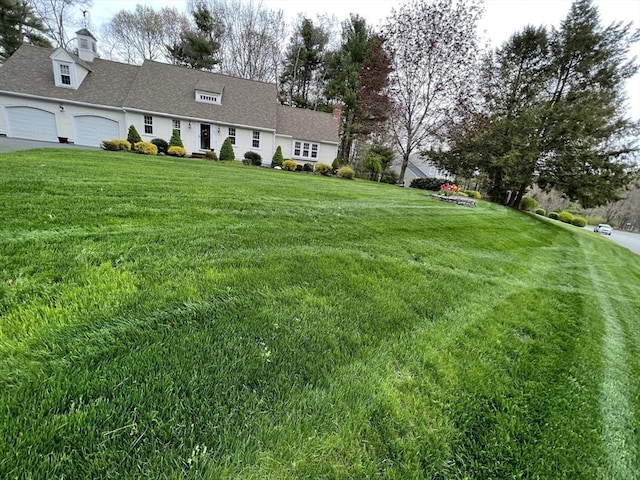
<point x="544" y="109"/>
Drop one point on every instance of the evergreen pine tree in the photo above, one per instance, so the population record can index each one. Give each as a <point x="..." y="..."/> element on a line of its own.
<point x="133" y="136"/>
<point x="553" y="114"/>
<point x="277" y="159"/>
<point x="175" y="140"/>
<point x="18" y="25"/>
<point x="199" y="48"/>
<point x="226" y="152"/>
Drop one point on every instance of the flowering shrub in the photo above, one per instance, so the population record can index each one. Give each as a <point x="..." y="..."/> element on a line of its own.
<point x="449" y="189"/>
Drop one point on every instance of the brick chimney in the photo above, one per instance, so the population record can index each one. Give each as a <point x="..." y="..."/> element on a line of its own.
<point x="337" y="112"/>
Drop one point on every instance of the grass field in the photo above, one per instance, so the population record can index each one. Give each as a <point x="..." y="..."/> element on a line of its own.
<point x="165" y="318"/>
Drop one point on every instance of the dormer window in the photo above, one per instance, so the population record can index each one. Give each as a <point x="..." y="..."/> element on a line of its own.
<point x="66" y="75"/>
<point x="208" y="97"/>
<point x="68" y="71"/>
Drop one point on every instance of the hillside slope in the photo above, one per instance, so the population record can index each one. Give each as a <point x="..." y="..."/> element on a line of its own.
<point x="171" y="318"/>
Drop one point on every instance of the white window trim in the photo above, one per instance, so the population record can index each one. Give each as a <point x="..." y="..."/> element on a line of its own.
<point x="72" y="74"/>
<point x="234" y="137"/>
<point x="175" y="122"/>
<point x="254" y="139"/>
<point x="308" y="157"/>
<point x="145" y="124"/>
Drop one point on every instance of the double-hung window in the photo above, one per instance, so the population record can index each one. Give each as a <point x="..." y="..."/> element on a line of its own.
<point x="305" y="150"/>
<point x="148" y="124"/>
<point x="256" y="140"/>
<point x="65" y="74"/>
<point x="232" y="135"/>
<point x="176" y="126"/>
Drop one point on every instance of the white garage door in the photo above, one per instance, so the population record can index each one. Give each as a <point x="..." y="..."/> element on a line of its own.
<point x="91" y="130"/>
<point x="32" y="123"/>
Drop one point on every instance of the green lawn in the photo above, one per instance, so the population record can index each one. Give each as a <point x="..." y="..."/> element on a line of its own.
<point x="164" y="318"/>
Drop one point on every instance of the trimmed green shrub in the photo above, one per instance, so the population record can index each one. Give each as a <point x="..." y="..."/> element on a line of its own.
<point x="118" y="144"/>
<point x="565" y="216"/>
<point x="527" y="204"/>
<point x="428" y="183"/>
<point x="540" y="211"/>
<point x="162" y="145"/>
<point x="553" y="215"/>
<point x="226" y="152"/>
<point x="307" y="167"/>
<point x="289" y="165"/>
<point x="579" y="221"/>
<point x="133" y="136"/>
<point x="390" y="177"/>
<point x="175" y="140"/>
<point x="346" y="172"/>
<point x="145" y="148"/>
<point x="277" y="159"/>
<point x="323" y="168"/>
<point x="211" y="155"/>
<point x="254" y="158"/>
<point x="473" y="194"/>
<point x="176" y="151"/>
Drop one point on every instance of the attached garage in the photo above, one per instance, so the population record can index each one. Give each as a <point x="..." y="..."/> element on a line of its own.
<point x="91" y="130"/>
<point x="31" y="123"/>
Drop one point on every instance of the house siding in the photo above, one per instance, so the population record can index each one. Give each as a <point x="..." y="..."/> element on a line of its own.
<point x="64" y="119"/>
<point x="327" y="151"/>
<point x="126" y="93"/>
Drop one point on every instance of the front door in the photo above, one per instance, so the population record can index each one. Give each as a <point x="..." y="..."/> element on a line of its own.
<point x="205" y="136"/>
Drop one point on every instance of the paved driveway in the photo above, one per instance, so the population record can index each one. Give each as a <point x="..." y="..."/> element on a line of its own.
<point x="15" y="144"/>
<point x="626" y="239"/>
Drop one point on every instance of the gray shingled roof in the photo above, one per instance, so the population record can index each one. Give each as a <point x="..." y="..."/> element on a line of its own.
<point x="209" y="85"/>
<point x="30" y="71"/>
<point x="84" y="31"/>
<point x="169" y="88"/>
<point x="161" y="88"/>
<point x="306" y="124"/>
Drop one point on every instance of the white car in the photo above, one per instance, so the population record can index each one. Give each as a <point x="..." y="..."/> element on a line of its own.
<point x="604" y="229"/>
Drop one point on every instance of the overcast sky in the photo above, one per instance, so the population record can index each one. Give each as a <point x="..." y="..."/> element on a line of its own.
<point x="501" y="17"/>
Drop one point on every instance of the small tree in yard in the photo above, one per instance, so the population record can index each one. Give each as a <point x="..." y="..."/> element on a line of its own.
<point x="277" y="159"/>
<point x="175" y="140"/>
<point x="133" y="136"/>
<point x="226" y="152"/>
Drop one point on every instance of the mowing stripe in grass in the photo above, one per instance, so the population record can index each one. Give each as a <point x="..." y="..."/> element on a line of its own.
<point x="617" y="413"/>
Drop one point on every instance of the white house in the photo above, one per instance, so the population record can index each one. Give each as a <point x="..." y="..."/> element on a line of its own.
<point x="420" y="167"/>
<point x="54" y="95"/>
